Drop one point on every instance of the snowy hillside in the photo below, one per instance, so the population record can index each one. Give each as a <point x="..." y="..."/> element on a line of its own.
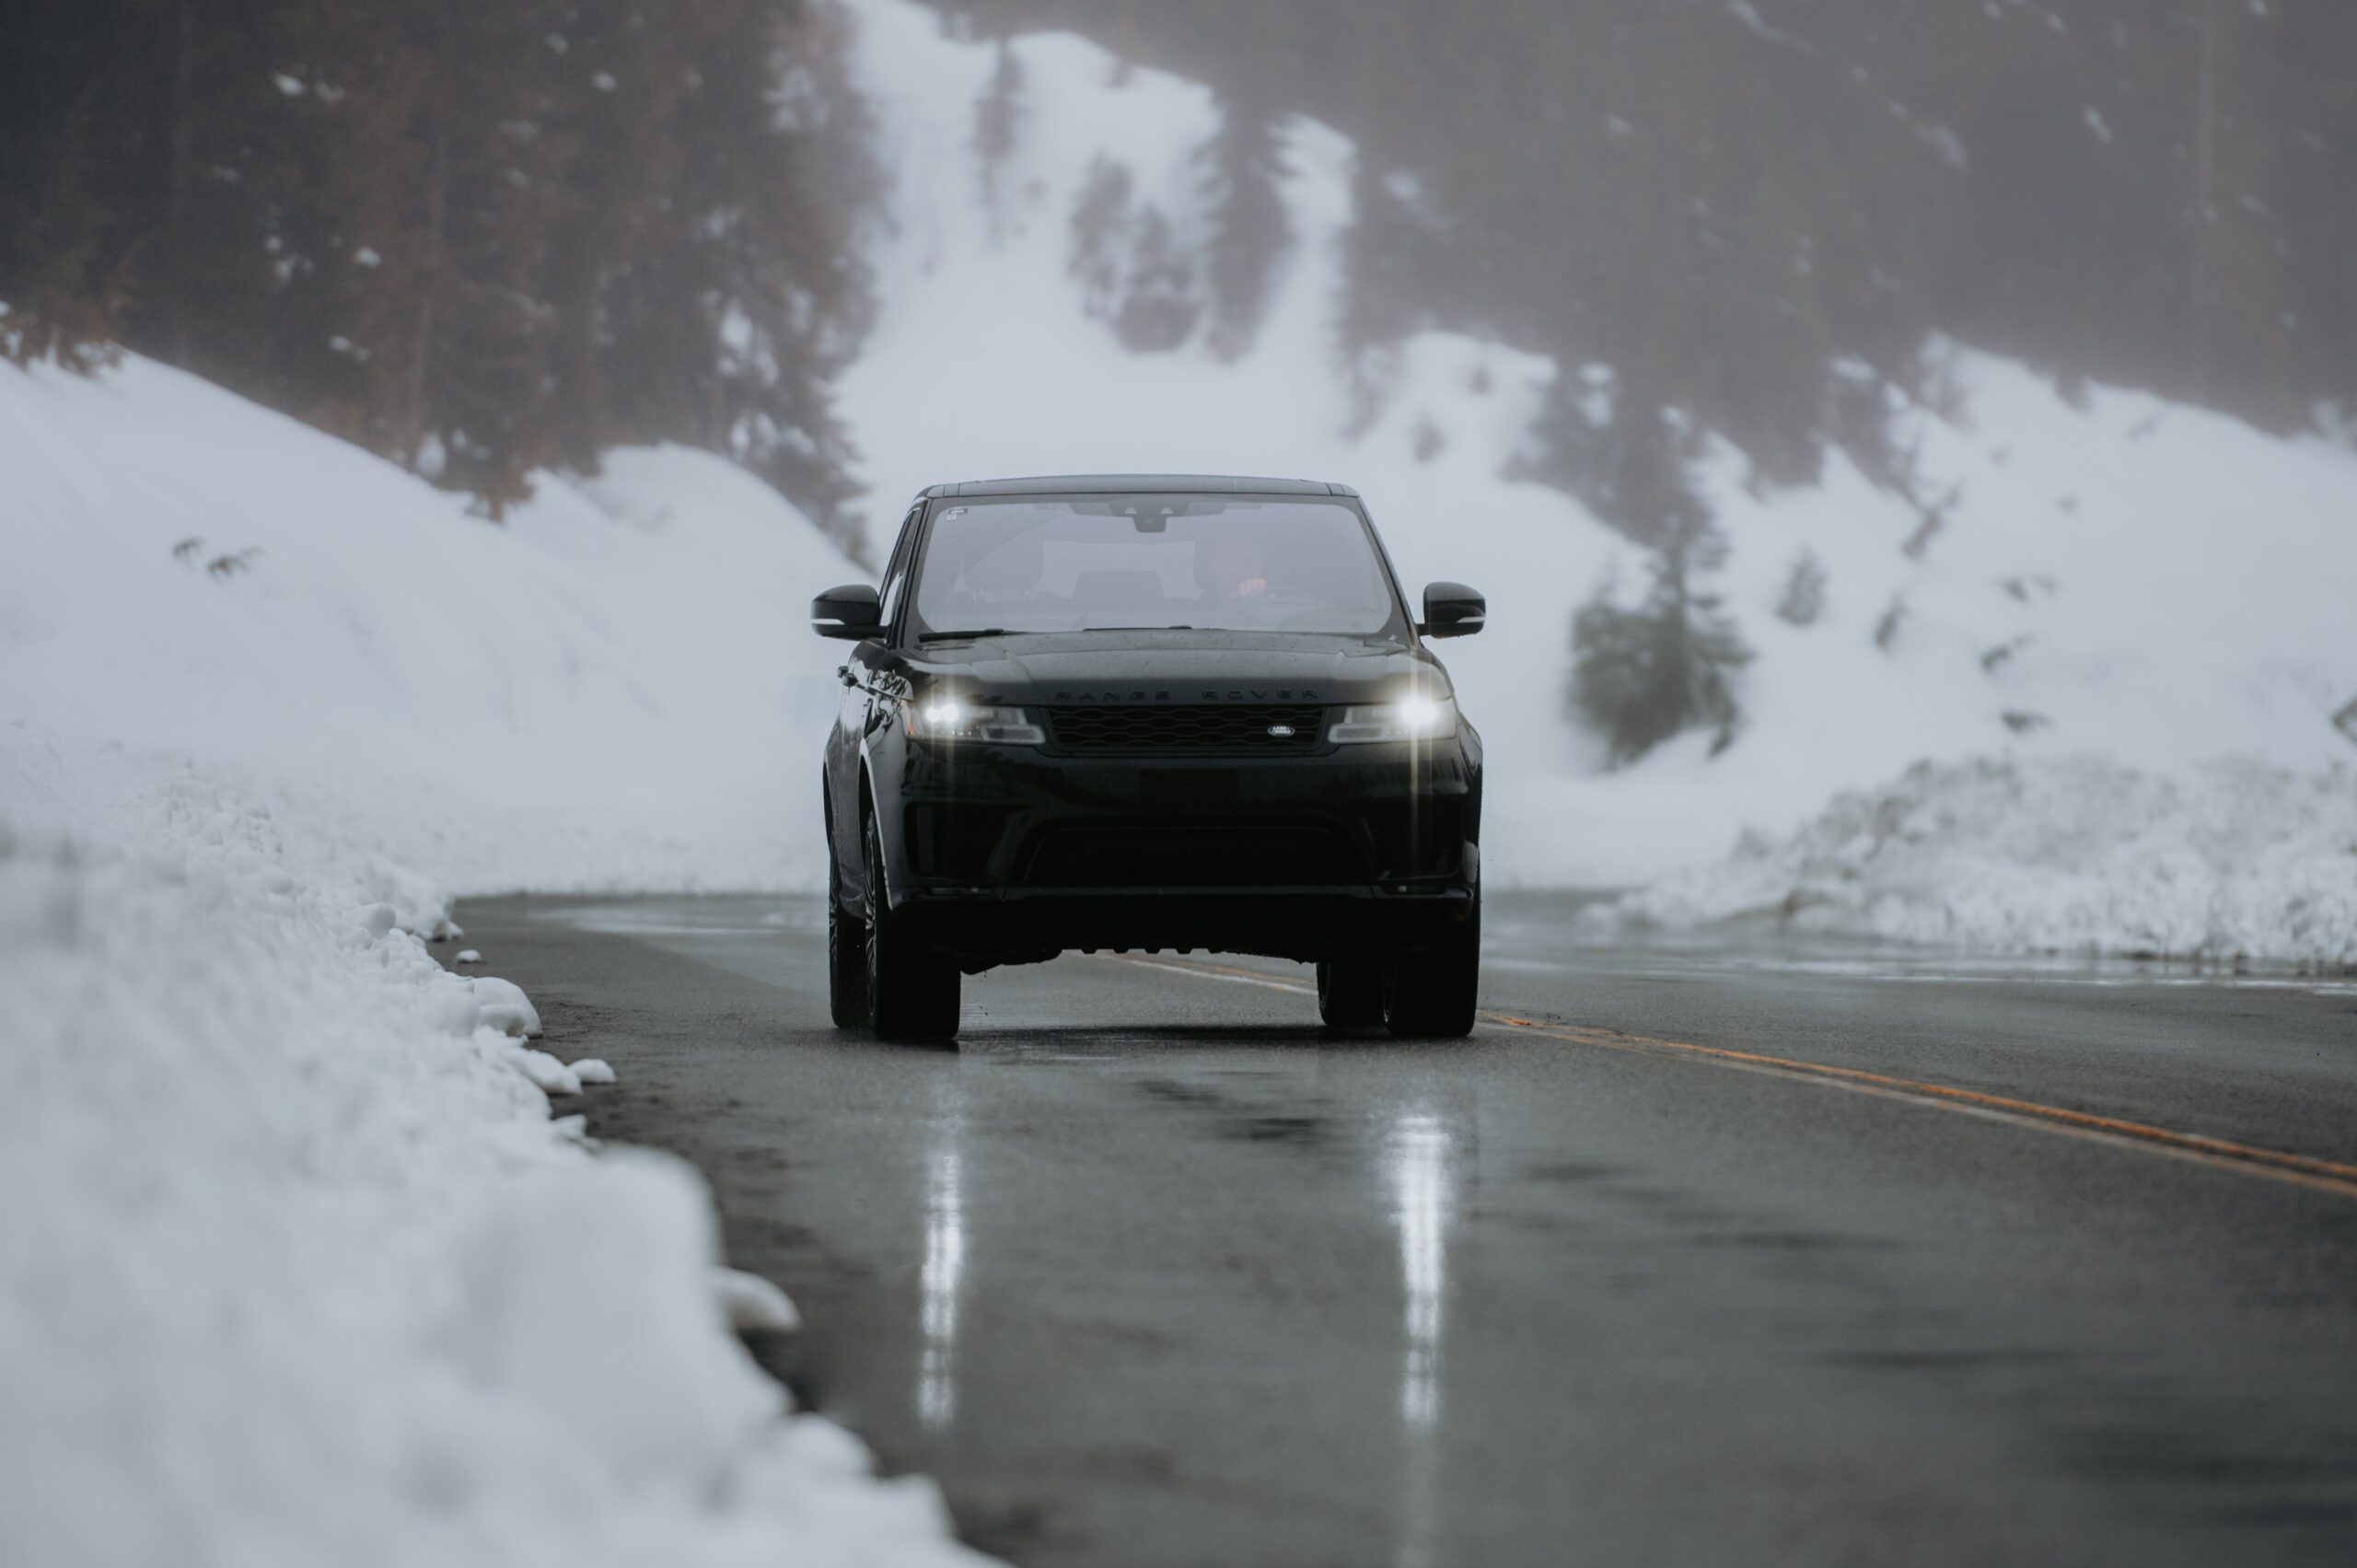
<point x="2110" y="576"/>
<point x="615" y="688"/>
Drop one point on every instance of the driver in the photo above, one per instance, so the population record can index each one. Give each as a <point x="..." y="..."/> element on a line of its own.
<point x="1233" y="569"/>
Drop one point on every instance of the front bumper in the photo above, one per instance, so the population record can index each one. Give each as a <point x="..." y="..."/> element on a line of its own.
<point x="1002" y="855"/>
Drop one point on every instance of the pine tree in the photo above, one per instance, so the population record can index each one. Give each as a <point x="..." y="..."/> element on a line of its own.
<point x="1803" y="602"/>
<point x="1159" y="308"/>
<point x="476" y="380"/>
<point x="58" y="302"/>
<point x="726" y="334"/>
<point x="1100" y="226"/>
<point x="626" y="69"/>
<point x="998" y="124"/>
<point x="1244" y="169"/>
<point x="1642" y="675"/>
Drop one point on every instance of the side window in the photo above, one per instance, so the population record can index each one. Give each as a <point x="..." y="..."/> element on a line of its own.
<point x="896" y="575"/>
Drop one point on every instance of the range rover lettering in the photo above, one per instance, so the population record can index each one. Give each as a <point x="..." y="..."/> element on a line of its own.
<point x="1149" y="713"/>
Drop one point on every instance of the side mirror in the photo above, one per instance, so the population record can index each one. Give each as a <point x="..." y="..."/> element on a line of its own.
<point x="849" y="613"/>
<point x="1452" y="609"/>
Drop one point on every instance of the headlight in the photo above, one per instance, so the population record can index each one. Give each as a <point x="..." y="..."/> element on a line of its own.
<point x="1409" y="718"/>
<point x="953" y="718"/>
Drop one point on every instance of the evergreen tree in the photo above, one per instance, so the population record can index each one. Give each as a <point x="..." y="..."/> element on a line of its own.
<point x="998" y="123"/>
<point x="1100" y="225"/>
<point x="731" y="328"/>
<point x="1244" y="168"/>
<point x="615" y="212"/>
<point x="60" y="298"/>
<point x="1642" y="675"/>
<point x="1803" y="602"/>
<point x="1159" y="308"/>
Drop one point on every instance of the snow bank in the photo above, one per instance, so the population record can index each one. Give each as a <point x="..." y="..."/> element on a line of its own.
<point x="297" y="1268"/>
<point x="617" y="688"/>
<point x="2231" y="862"/>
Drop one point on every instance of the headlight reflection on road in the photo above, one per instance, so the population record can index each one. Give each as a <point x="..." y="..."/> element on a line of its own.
<point x="1420" y="1181"/>
<point x="1421" y="1155"/>
<point x="942" y="1278"/>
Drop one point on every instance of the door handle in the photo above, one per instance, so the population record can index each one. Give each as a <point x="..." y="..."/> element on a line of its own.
<point x="843" y="674"/>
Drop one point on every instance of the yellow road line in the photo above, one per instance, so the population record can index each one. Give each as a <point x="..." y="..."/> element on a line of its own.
<point x="2302" y="1171"/>
<point x="2305" y="1170"/>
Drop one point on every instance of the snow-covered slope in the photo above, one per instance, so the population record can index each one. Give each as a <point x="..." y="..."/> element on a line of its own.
<point x="617" y="687"/>
<point x="2113" y="575"/>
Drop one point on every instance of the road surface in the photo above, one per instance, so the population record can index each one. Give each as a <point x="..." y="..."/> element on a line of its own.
<point x="1684" y="1258"/>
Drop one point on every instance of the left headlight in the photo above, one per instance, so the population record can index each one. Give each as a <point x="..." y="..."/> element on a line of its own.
<point x="954" y="718"/>
<point x="1409" y="718"/>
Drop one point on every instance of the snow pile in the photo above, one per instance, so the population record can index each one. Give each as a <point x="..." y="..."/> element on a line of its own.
<point x="2101" y="572"/>
<point x="297" y="1266"/>
<point x="2230" y="862"/>
<point x="616" y="688"/>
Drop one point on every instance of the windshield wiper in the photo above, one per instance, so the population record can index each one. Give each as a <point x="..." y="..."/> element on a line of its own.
<point x="1137" y="628"/>
<point x="969" y="637"/>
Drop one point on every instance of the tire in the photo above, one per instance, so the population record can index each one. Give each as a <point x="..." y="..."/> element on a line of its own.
<point x="1350" y="992"/>
<point x="1434" y="995"/>
<point x="912" y="994"/>
<point x="846" y="953"/>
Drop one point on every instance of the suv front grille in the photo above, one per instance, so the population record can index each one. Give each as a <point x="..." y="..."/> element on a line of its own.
<point x="1243" y="726"/>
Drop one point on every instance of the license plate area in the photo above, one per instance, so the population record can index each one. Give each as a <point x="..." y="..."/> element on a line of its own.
<point x="1189" y="789"/>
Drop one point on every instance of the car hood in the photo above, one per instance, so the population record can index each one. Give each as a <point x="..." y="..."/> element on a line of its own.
<point x="1175" y="667"/>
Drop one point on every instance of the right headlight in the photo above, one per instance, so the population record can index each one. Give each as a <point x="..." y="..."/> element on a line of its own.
<point x="1409" y="718"/>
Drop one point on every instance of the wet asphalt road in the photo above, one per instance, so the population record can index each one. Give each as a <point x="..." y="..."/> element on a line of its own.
<point x="1150" y="1271"/>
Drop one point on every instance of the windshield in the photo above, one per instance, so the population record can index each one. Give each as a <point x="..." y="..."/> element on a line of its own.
<point x="1201" y="563"/>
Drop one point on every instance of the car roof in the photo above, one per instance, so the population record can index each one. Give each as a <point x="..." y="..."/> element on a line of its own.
<point x="1137" y="484"/>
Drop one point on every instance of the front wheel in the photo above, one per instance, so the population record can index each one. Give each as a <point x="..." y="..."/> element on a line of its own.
<point x="1434" y="993"/>
<point x="911" y="992"/>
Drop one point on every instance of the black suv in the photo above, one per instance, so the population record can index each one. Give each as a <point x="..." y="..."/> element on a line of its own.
<point x="1148" y="712"/>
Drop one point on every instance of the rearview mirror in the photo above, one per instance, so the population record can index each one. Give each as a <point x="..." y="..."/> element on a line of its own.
<point x="850" y="612"/>
<point x="1452" y="609"/>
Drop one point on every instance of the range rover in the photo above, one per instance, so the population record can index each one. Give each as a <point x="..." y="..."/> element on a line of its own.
<point x="1149" y="713"/>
